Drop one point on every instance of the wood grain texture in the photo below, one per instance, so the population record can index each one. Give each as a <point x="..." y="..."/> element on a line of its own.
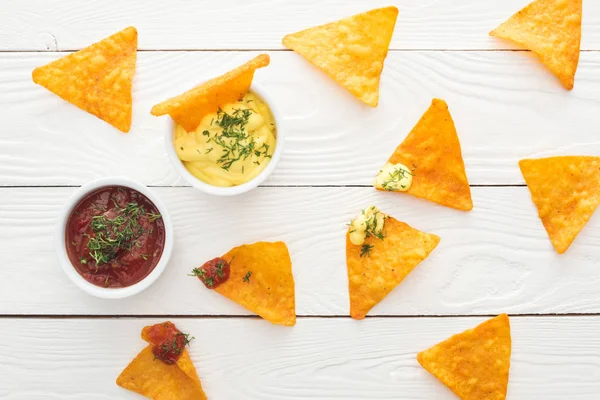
<point x="553" y="358"/>
<point x="496" y="258"/>
<point x="506" y="106"/>
<point x="260" y="24"/>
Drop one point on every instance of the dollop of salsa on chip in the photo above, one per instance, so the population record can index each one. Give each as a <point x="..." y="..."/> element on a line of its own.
<point x="115" y="237"/>
<point x="167" y="341"/>
<point x="213" y="273"/>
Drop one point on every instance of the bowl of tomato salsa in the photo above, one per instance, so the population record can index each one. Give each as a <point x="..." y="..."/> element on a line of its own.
<point x="114" y="238"/>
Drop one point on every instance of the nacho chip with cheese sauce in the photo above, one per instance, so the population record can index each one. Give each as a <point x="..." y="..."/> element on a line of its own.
<point x="552" y="30"/>
<point x="97" y="79"/>
<point x="566" y="192"/>
<point x="261" y="280"/>
<point x="473" y="364"/>
<point x="351" y="51"/>
<point x="379" y="265"/>
<point x="432" y="150"/>
<point x="189" y="108"/>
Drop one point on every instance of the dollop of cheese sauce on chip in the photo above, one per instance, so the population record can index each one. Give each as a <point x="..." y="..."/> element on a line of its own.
<point x="394" y="178"/>
<point x="231" y="146"/>
<point x="369" y="222"/>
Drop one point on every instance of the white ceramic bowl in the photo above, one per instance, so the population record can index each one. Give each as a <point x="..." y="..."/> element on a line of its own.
<point x="232" y="190"/>
<point x="63" y="258"/>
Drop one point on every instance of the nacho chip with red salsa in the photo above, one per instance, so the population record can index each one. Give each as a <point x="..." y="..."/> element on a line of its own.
<point x="258" y="277"/>
<point x="164" y="369"/>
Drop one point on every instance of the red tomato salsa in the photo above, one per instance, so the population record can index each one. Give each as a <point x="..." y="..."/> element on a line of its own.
<point x="167" y="341"/>
<point x="212" y="273"/>
<point x="115" y="237"/>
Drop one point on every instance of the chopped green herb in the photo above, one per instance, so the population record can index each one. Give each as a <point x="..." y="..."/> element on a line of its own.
<point x="235" y="142"/>
<point x="219" y="268"/>
<point x="247" y="277"/>
<point x="394" y="178"/>
<point x="153" y="217"/>
<point x="366" y="250"/>
<point x="198" y="272"/>
<point x="120" y="233"/>
<point x="372" y="229"/>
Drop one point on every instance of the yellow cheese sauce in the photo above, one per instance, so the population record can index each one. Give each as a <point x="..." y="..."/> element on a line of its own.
<point x="232" y="146"/>
<point x="394" y="178"/>
<point x="369" y="222"/>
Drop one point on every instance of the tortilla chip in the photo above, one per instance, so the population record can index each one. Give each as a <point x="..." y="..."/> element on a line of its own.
<point x="261" y="280"/>
<point x="566" y="192"/>
<point x="351" y="50"/>
<point x="371" y="277"/>
<point x="189" y="108"/>
<point x="184" y="363"/>
<point x="159" y="381"/>
<point x="473" y="364"/>
<point x="97" y="79"/>
<point x="552" y="30"/>
<point x="432" y="149"/>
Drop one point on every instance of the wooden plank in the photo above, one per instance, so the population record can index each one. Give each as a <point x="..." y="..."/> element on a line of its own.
<point x="495" y="258"/>
<point x="505" y="105"/>
<point x="553" y="358"/>
<point x="237" y="24"/>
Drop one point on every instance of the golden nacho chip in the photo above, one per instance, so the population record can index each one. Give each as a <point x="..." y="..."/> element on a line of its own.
<point x="552" y="30"/>
<point x="188" y="108"/>
<point x="566" y="192"/>
<point x="375" y="273"/>
<point x="473" y="364"/>
<point x="261" y="280"/>
<point x="97" y="79"/>
<point x="153" y="378"/>
<point x="432" y="149"/>
<point x="351" y="51"/>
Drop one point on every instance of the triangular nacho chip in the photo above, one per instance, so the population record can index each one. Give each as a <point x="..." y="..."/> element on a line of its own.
<point x="372" y="276"/>
<point x="566" y="192"/>
<point x="552" y="30"/>
<point x="473" y="364"/>
<point x="188" y="108"/>
<point x="261" y="280"/>
<point x="351" y="51"/>
<point x="96" y="79"/>
<point x="153" y="378"/>
<point x="432" y="149"/>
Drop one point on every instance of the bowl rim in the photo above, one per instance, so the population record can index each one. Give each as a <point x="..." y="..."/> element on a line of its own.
<point x="244" y="187"/>
<point x="60" y="242"/>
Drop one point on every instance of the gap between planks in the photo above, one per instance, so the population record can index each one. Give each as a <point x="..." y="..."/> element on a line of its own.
<point x="261" y="186"/>
<point x="183" y="316"/>
<point x="288" y="50"/>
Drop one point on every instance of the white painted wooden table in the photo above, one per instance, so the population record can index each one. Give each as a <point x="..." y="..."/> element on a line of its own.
<point x="58" y="343"/>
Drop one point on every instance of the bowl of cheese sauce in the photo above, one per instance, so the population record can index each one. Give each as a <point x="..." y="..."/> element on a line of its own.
<point x="233" y="150"/>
